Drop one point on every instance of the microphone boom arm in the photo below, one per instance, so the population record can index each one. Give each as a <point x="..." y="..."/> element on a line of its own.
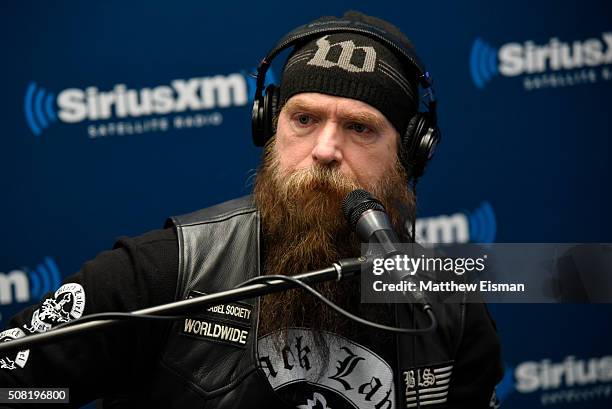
<point x="344" y="269"/>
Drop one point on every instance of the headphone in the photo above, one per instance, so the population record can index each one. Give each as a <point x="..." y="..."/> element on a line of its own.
<point x="422" y="134"/>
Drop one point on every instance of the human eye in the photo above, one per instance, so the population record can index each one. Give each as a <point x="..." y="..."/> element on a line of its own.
<point x="303" y="120"/>
<point x="360" y="128"/>
<point x="363" y="132"/>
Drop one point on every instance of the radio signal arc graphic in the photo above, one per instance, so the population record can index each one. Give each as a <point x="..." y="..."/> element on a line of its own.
<point x="39" y="108"/>
<point x="44" y="278"/>
<point x="483" y="226"/>
<point x="506" y="386"/>
<point x="483" y="63"/>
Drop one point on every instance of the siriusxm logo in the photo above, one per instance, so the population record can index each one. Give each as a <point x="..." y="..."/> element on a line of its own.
<point x="505" y="387"/>
<point x="514" y="59"/>
<point x="478" y="226"/>
<point x="20" y="286"/>
<point x="75" y="105"/>
<point x="483" y="63"/>
<point x="544" y="375"/>
<point x="571" y="380"/>
<point x="39" y="108"/>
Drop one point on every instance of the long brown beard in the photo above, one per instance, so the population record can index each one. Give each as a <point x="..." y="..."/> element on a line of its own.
<point x="304" y="229"/>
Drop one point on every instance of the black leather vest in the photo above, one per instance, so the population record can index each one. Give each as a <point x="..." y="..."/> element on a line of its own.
<point x="219" y="247"/>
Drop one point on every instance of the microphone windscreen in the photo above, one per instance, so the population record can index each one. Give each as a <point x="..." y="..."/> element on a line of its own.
<point x="356" y="203"/>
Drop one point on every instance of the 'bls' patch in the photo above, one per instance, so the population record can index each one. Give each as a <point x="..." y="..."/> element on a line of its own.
<point x="427" y="385"/>
<point x="224" y="323"/>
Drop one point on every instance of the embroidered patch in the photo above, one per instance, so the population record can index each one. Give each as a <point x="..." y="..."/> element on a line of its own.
<point x="347" y="375"/>
<point x="15" y="360"/>
<point x="317" y="402"/>
<point x="427" y="385"/>
<point x="67" y="304"/>
<point x="236" y="312"/>
<point x="224" y="323"/>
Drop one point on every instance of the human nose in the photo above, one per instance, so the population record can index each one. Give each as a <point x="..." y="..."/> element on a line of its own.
<point x="328" y="147"/>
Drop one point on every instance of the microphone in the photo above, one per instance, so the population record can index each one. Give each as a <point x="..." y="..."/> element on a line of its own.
<point x="368" y="218"/>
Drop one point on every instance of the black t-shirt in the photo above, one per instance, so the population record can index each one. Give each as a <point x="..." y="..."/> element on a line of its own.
<point x="117" y="362"/>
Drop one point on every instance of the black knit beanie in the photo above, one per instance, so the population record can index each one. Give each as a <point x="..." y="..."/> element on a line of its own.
<point x="354" y="66"/>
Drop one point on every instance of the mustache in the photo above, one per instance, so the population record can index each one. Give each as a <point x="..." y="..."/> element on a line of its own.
<point x="316" y="178"/>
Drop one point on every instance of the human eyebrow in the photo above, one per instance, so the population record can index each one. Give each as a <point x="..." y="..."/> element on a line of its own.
<point x="365" y="118"/>
<point x="362" y="117"/>
<point x="300" y="106"/>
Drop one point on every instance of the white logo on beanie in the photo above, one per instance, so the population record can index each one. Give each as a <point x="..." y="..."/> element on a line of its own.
<point x="344" y="61"/>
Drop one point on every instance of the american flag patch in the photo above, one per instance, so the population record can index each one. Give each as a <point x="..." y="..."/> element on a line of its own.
<point x="427" y="385"/>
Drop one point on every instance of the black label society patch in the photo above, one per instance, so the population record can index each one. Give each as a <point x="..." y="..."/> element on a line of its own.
<point x="224" y="323"/>
<point x="348" y="375"/>
<point x="427" y="385"/>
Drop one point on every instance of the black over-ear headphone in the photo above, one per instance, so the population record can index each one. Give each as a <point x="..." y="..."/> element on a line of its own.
<point x="422" y="134"/>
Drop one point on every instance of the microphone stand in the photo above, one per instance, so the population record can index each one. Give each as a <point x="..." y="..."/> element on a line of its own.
<point x="343" y="269"/>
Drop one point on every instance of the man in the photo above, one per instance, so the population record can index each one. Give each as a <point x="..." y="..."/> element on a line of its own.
<point x="338" y="129"/>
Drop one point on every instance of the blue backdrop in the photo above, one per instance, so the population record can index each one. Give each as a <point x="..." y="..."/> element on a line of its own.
<point x="109" y="109"/>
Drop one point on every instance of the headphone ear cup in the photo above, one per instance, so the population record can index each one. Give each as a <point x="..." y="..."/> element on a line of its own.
<point x="407" y="146"/>
<point x="272" y="98"/>
<point x="262" y="115"/>
<point x="257" y="131"/>
<point x="419" y="144"/>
